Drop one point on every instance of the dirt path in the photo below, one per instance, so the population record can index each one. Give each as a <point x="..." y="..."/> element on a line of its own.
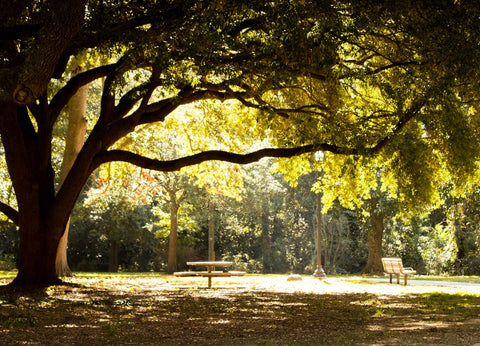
<point x="146" y="310"/>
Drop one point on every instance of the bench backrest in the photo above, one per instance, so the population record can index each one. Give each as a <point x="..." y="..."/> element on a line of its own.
<point x="392" y="265"/>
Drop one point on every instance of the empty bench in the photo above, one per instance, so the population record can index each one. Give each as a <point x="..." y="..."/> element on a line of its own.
<point x="210" y="272"/>
<point x="394" y="266"/>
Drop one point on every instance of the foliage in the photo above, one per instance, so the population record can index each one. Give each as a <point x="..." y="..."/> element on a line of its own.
<point x="8" y="247"/>
<point x="391" y="87"/>
<point x="438" y="250"/>
<point x="95" y="230"/>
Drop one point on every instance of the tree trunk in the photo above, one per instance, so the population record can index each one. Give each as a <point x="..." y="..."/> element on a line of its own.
<point x="264" y="221"/>
<point x="61" y="263"/>
<point x="42" y="215"/>
<point x="211" y="230"/>
<point x="374" y="238"/>
<point x="113" y="256"/>
<point x="77" y="128"/>
<point x="172" y="240"/>
<point x="458" y="228"/>
<point x="38" y="246"/>
<point x="28" y="156"/>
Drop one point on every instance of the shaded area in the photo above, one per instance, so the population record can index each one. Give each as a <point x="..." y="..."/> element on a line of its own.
<point x="152" y="311"/>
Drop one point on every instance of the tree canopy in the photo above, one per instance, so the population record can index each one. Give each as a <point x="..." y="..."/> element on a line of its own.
<point x="396" y="82"/>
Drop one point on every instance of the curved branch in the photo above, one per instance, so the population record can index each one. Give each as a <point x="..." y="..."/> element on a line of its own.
<point x="9" y="212"/>
<point x="218" y="155"/>
<point x="393" y="65"/>
<point x="130" y="99"/>
<point x="213" y="155"/>
<point x="63" y="95"/>
<point x="409" y="115"/>
<point x="247" y="24"/>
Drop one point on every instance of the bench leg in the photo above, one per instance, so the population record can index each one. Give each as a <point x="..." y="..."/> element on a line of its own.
<point x="390" y="278"/>
<point x="405" y="279"/>
<point x="209" y="282"/>
<point x="398" y="278"/>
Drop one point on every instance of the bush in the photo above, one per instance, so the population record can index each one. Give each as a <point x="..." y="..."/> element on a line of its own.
<point x="246" y="264"/>
<point x="438" y="251"/>
<point x="472" y="265"/>
<point x="7" y="263"/>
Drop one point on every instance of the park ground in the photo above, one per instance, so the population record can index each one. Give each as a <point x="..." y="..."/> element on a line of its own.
<point x="151" y="309"/>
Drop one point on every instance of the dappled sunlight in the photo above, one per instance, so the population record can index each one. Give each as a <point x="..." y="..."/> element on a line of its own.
<point x="162" y="309"/>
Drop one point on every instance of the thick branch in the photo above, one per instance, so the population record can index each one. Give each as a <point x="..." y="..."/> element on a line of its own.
<point x="63" y="95"/>
<point x="11" y="213"/>
<point x="42" y="58"/>
<point x="213" y="155"/>
<point x="157" y="111"/>
<point x="174" y="165"/>
<point x="142" y="92"/>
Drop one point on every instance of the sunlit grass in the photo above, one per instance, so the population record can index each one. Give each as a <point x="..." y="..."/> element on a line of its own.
<point x="471" y="279"/>
<point x="118" y="274"/>
<point x="4" y="274"/>
<point x="451" y="278"/>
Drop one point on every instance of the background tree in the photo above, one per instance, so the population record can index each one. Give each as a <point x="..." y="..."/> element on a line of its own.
<point x="75" y="136"/>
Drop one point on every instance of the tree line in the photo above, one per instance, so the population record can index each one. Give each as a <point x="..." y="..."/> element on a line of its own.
<point x="270" y="228"/>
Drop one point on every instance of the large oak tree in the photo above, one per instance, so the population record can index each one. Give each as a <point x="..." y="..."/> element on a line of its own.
<point x="348" y="78"/>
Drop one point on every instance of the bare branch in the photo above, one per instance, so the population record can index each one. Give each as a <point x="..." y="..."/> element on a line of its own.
<point x="130" y="99"/>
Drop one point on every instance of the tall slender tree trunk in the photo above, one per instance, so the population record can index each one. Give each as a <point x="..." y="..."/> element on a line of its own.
<point x="264" y="221"/>
<point x="374" y="238"/>
<point x="172" y="240"/>
<point x="211" y="231"/>
<point x="77" y="128"/>
<point x="459" y="238"/>
<point x="113" y="256"/>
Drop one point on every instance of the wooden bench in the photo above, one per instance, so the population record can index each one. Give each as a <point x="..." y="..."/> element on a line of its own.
<point x="394" y="266"/>
<point x="210" y="272"/>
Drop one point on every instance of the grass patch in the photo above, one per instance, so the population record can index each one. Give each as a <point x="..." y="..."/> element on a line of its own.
<point x="8" y="274"/>
<point x="460" y="304"/>
<point x="445" y="278"/>
<point x="468" y="279"/>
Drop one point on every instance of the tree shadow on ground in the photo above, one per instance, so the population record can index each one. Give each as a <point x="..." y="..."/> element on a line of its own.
<point x="103" y="314"/>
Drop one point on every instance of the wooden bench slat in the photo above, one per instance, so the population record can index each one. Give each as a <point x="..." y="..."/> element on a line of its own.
<point x="211" y="272"/>
<point x="220" y="274"/>
<point x="185" y="274"/>
<point x="394" y="266"/>
<point x="210" y="264"/>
